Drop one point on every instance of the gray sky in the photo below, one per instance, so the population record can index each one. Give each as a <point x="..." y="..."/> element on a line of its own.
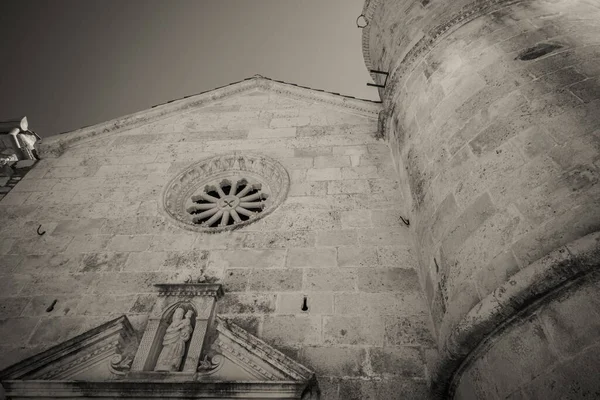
<point x="67" y="64"/>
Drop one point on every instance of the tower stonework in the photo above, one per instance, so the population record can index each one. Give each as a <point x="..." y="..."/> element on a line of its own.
<point x="492" y="113"/>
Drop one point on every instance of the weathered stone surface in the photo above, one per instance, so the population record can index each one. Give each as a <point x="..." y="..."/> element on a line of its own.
<point x="107" y="242"/>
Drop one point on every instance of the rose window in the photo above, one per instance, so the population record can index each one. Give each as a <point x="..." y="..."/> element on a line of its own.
<point x="227" y="203"/>
<point x="225" y="192"/>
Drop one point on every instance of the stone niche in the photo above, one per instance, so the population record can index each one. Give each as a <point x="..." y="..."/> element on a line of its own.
<point x="186" y="351"/>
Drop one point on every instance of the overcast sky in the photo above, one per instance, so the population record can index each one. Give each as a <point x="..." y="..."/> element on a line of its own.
<point x="66" y="64"/>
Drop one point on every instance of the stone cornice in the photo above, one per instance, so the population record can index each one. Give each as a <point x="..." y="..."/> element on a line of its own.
<point x="431" y="39"/>
<point x="526" y="290"/>
<point x="66" y="356"/>
<point x="369" y="9"/>
<point x="54" y="146"/>
<point x="190" y="289"/>
<point x="254" y="345"/>
<point x="145" y="389"/>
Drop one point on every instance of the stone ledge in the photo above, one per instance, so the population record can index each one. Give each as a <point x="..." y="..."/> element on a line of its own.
<point x="528" y="288"/>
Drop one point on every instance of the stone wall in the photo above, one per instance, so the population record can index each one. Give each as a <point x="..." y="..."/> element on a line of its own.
<point x="493" y="123"/>
<point x="337" y="239"/>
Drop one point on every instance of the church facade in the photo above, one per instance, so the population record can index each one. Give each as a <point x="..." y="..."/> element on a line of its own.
<point x="265" y="240"/>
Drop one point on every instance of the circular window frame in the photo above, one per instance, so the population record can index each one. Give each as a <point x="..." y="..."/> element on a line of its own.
<point x="255" y="168"/>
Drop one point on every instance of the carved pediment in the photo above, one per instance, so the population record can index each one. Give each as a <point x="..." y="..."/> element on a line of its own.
<point x="89" y="356"/>
<point x="213" y="358"/>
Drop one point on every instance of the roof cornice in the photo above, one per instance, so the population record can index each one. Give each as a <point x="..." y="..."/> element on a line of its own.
<point x="369" y="9"/>
<point x="54" y="146"/>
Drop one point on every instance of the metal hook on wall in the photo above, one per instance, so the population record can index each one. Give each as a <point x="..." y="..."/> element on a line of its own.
<point x="358" y="24"/>
<point x="38" y="231"/>
<point x="406" y="221"/>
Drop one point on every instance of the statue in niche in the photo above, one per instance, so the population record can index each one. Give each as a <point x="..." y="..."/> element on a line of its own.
<point x="177" y="334"/>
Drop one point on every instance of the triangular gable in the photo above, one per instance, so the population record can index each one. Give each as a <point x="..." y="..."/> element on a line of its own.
<point x="101" y="363"/>
<point x="54" y="146"/>
<point x="78" y="357"/>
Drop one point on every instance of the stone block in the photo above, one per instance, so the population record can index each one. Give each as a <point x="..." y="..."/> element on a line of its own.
<point x="236" y="280"/>
<point x="323" y="174"/>
<point x="59" y="284"/>
<point x="388" y="218"/>
<point x="129" y="243"/>
<point x="329" y="279"/>
<point x="317" y="303"/>
<point x="350" y="150"/>
<point x="16" y="331"/>
<point x="349" y="330"/>
<point x="576" y="378"/>
<point x="247" y="303"/>
<point x="41" y="245"/>
<point x="287" y="330"/>
<point x="105" y="305"/>
<point x="572" y="321"/>
<point x="50" y="263"/>
<point x="473" y="217"/>
<point x="146" y="262"/>
<point x="246" y="258"/>
<point x="310" y="257"/>
<point x="376" y="280"/>
<point x="384" y="237"/>
<point x="12" y="307"/>
<point x="14" y="198"/>
<point x="38" y="306"/>
<point x="352" y="256"/>
<point x="259" y="133"/>
<point x="57" y="329"/>
<point x="401" y="256"/>
<point x="79" y="227"/>
<point x="345" y="237"/>
<point x="289" y="122"/>
<point x="397" y="361"/>
<point x="298" y="162"/>
<point x="356" y="219"/>
<point x="495" y="273"/>
<point x="349" y="186"/>
<point x="312" y="151"/>
<point x="13" y="284"/>
<point x="103" y="262"/>
<point x="318" y="188"/>
<point x="9" y="263"/>
<point x="88" y="243"/>
<point x="517" y="357"/>
<point x="360" y="172"/>
<point x="382" y="303"/>
<point x="409" y="330"/>
<point x="334" y="361"/>
<point x="130" y="282"/>
<point x="168" y="242"/>
<point x="279" y="240"/>
<point x="277" y="280"/>
<point x="331" y="161"/>
<point x="367" y="389"/>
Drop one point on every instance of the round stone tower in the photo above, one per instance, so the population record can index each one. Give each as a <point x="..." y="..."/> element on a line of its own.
<point x="492" y="113"/>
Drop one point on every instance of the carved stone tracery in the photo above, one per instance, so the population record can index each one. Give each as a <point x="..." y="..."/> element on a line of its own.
<point x="225" y="192"/>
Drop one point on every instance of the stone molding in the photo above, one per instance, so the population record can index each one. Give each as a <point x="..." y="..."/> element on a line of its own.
<point x="265" y="170"/>
<point x="155" y="389"/>
<point x="54" y="146"/>
<point x="251" y="343"/>
<point x="431" y="39"/>
<point x="78" y="354"/>
<point x="527" y="289"/>
<point x="190" y="289"/>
